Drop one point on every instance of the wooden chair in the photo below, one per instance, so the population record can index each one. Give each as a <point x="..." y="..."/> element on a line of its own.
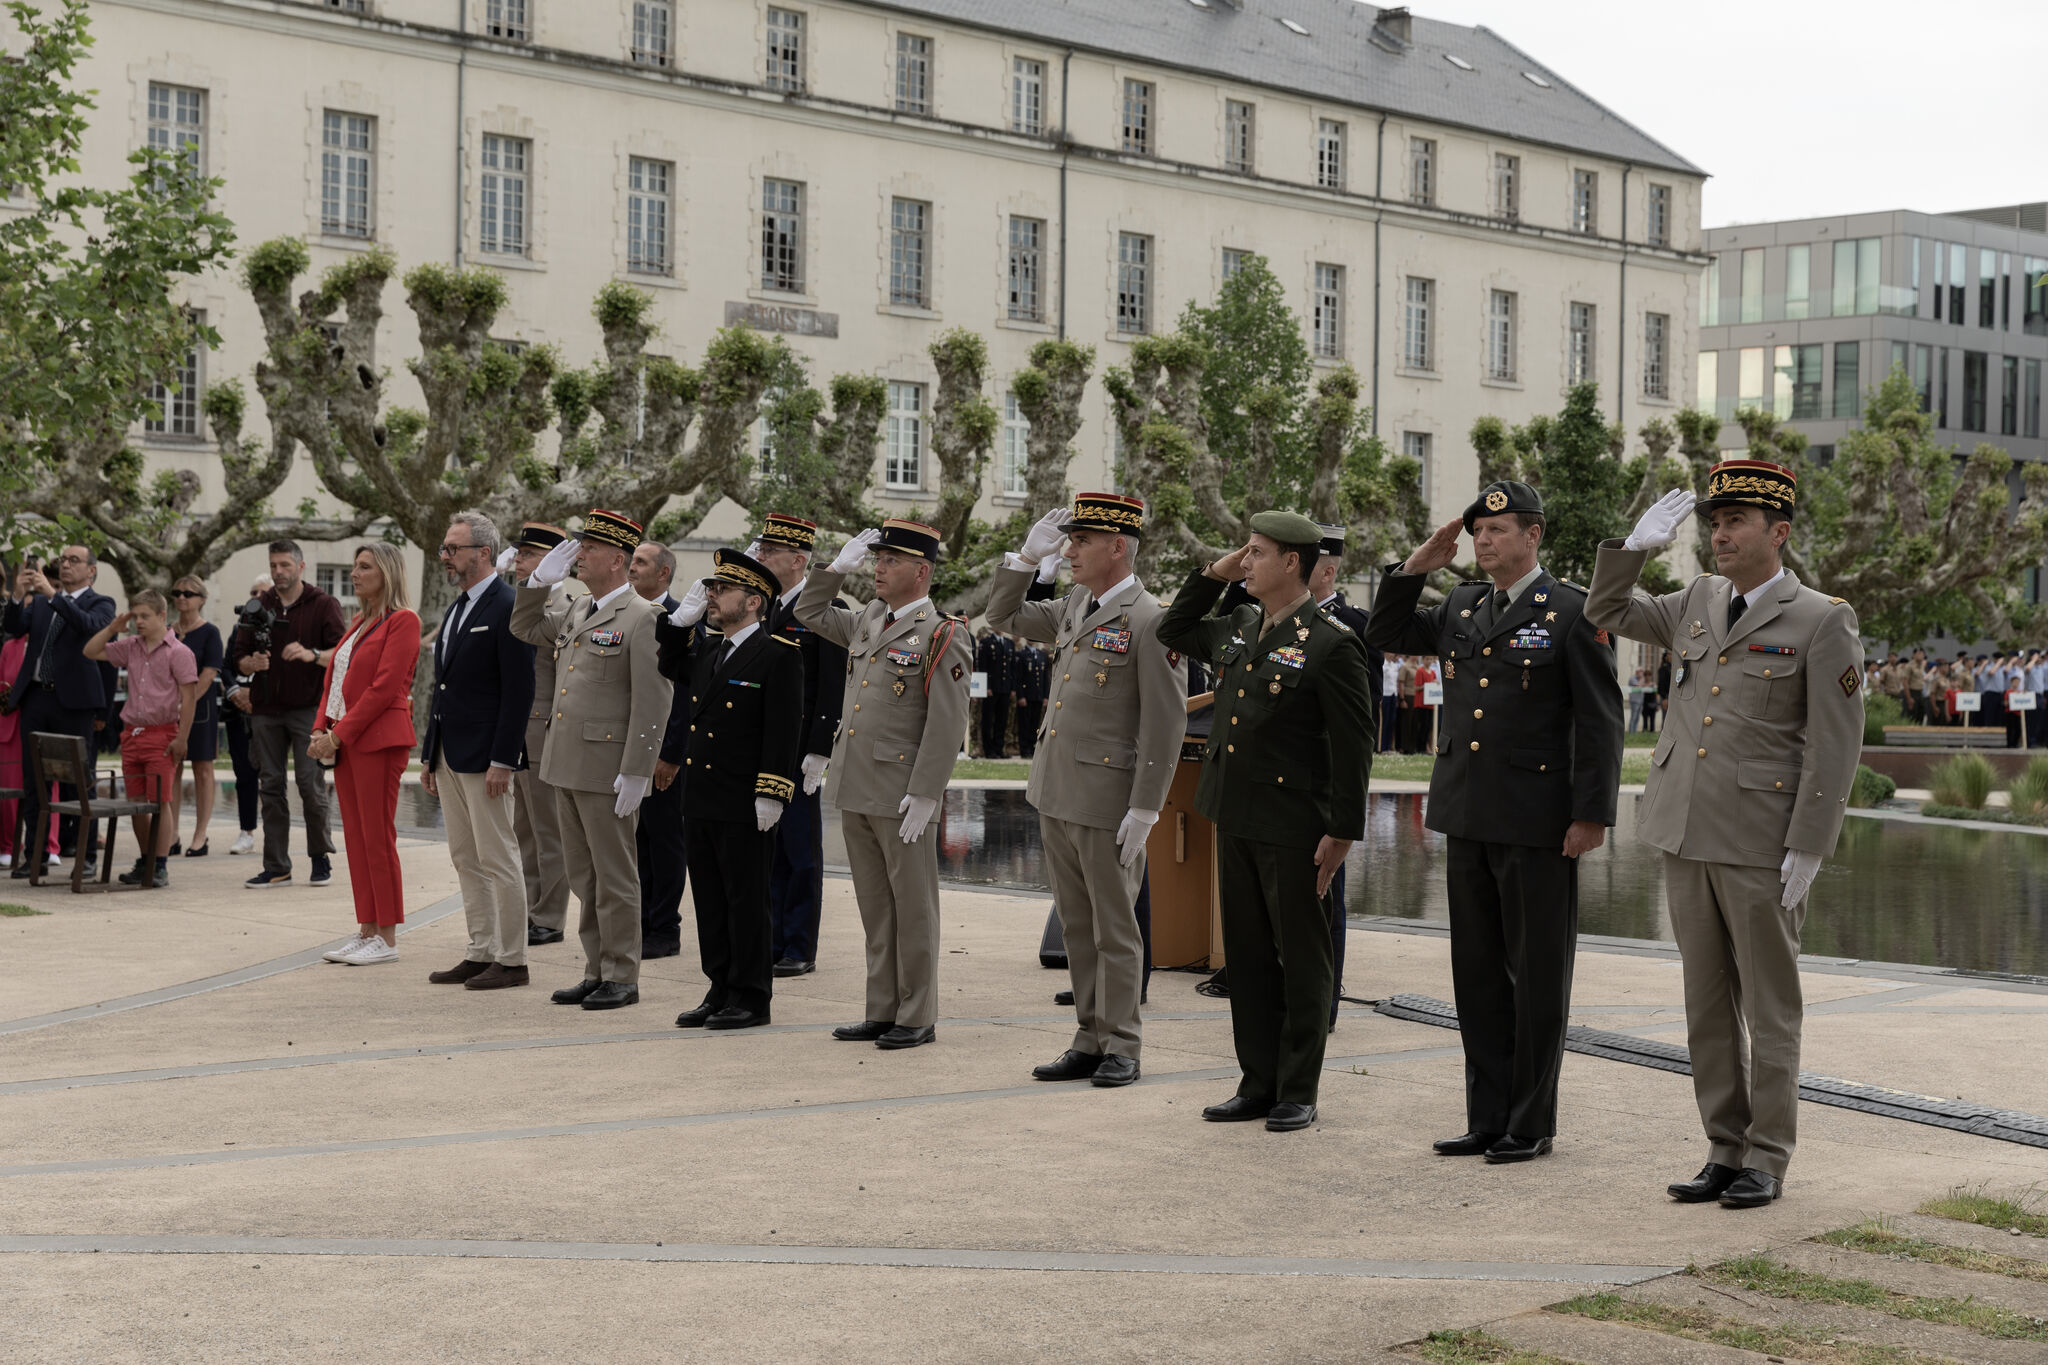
<point x="67" y="759"/>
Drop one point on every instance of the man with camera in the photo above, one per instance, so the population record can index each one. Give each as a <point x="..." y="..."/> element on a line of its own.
<point x="60" y="691"/>
<point x="279" y="640"/>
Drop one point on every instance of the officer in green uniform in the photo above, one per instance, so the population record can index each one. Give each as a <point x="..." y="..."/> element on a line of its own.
<point x="1283" y="779"/>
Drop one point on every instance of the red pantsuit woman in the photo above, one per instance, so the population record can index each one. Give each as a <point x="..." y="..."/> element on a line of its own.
<point x="365" y="729"/>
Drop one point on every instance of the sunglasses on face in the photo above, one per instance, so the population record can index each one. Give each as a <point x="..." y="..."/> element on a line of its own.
<point x="187" y="592"/>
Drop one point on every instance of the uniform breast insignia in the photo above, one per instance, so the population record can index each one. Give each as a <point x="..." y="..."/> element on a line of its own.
<point x="742" y="682"/>
<point x="1173" y="658"/>
<point x="607" y="637"/>
<point x="1849" y="681"/>
<point x="1450" y="670"/>
<point x="1541" y="595"/>
<point x="1696" y="630"/>
<point x="1601" y="637"/>
<point x="959" y="672"/>
<point x="1550" y="616"/>
<point x="1772" y="649"/>
<point x="1274" y="687"/>
<point x="898" y="687"/>
<point x="1102" y="679"/>
<point x="1301" y="634"/>
<point x="904" y="658"/>
<point x="1290" y="655"/>
<point x="1112" y="641"/>
<point x="1531" y="637"/>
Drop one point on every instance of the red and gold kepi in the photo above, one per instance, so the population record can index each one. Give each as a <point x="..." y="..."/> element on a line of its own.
<point x="1112" y="512"/>
<point x="732" y="566"/>
<point x="909" y="538"/>
<point x="1750" y="483"/>
<point x="539" y="535"/>
<point x="792" y="533"/>
<point x="612" y="528"/>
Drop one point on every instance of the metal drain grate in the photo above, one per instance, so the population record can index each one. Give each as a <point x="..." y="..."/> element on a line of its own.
<point x="2006" y="1125"/>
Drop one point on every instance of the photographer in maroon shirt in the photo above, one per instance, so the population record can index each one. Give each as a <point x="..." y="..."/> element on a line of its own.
<point x="282" y="698"/>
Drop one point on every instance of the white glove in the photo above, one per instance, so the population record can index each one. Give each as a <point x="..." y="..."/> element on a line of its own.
<point x="854" y="553"/>
<point x="917" y="813"/>
<point x="1044" y="539"/>
<point x="690" y="610"/>
<point x="1658" y="527"/>
<point x="555" y="567"/>
<point x="632" y="791"/>
<point x="1132" y="833"/>
<point x="506" y="557"/>
<point x="1797" y="873"/>
<point x="814" y="773"/>
<point x="766" y="813"/>
<point x="1049" y="569"/>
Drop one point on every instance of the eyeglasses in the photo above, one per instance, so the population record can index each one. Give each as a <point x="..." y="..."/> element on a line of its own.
<point x="73" y="559"/>
<point x="187" y="592"/>
<point x="448" y="551"/>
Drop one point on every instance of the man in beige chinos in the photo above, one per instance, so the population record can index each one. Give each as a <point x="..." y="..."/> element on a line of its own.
<point x="1106" y="756"/>
<point x="610" y="711"/>
<point x="901" y="729"/>
<point x="533" y="814"/>
<point x="1748" y="788"/>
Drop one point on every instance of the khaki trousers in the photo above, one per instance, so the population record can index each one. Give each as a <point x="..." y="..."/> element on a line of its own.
<point x="539" y="831"/>
<point x="1097" y="899"/>
<point x="897" y="887"/>
<point x="1743" y="1009"/>
<point x="604" y="872"/>
<point x="485" y="853"/>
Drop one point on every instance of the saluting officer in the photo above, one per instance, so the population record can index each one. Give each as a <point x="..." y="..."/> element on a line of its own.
<point x="534" y="822"/>
<point x="1119" y="696"/>
<point x="1748" y="788"/>
<point x="1527" y="771"/>
<point x="905" y="715"/>
<point x="1283" y="778"/>
<point x="611" y="708"/>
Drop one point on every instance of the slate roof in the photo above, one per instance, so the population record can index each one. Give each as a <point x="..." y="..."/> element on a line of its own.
<point x="1336" y="60"/>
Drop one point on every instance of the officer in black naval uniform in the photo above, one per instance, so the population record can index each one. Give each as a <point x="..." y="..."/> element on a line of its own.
<point x="994" y="658"/>
<point x="1527" y="770"/>
<point x="746" y="712"/>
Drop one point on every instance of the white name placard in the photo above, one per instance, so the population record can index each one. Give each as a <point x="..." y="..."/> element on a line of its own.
<point x="1969" y="701"/>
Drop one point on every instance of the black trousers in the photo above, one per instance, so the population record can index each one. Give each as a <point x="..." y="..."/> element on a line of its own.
<point x="796" y="884"/>
<point x="1029" y="713"/>
<point x="247" y="779"/>
<point x="1514" y="934"/>
<point x="664" y="857"/>
<point x="731" y="859"/>
<point x="995" y="723"/>
<point x="42" y="712"/>
<point x="1276" y="933"/>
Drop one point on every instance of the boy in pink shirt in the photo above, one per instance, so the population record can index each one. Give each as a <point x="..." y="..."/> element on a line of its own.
<point x="156" y="721"/>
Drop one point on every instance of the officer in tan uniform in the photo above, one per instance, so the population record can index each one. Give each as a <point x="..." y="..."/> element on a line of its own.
<point x="1748" y="788"/>
<point x="1107" y="755"/>
<point x="610" y="713"/>
<point x="533" y="811"/>
<point x="904" y="720"/>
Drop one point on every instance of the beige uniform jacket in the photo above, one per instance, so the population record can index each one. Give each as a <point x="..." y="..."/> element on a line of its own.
<point x="1110" y="736"/>
<point x="894" y="739"/>
<point x="1766" y="721"/>
<point x="544" y="677"/>
<point x="610" y="702"/>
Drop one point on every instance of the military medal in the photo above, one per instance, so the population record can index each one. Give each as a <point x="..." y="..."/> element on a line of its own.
<point x="1274" y="687"/>
<point x="1696" y="630"/>
<point x="897" y="687"/>
<point x="1450" y="669"/>
<point x="1301" y="634"/>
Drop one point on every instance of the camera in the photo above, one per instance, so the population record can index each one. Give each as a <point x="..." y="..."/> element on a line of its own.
<point x="257" y="619"/>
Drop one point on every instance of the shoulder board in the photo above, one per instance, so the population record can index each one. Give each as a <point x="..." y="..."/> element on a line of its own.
<point x="785" y="640"/>
<point x="1476" y="583"/>
<point x="1566" y="583"/>
<point x="1332" y="620"/>
<point x="1704" y="575"/>
<point x="1836" y="601"/>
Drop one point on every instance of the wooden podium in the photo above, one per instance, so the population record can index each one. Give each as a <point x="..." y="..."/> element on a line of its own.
<point x="1180" y="860"/>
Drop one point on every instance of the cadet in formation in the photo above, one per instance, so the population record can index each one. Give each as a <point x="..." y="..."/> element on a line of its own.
<point x="1527" y="772"/>
<point x="1110" y="745"/>
<point x="1747" y="792"/>
<point x="1283" y="780"/>
<point x="905" y="713"/>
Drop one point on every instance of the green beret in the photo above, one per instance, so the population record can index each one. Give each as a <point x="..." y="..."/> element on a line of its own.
<point x="1288" y="528"/>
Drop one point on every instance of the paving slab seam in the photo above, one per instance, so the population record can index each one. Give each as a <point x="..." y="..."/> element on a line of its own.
<point x="948" y="1258"/>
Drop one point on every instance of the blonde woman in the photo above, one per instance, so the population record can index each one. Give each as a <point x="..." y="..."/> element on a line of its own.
<point x="202" y="637"/>
<point x="365" y="730"/>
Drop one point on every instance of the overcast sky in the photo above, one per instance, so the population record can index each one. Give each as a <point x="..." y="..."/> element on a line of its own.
<point x="1798" y="108"/>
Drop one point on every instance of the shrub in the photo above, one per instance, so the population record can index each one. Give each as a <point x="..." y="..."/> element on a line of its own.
<point x="1963" y="781"/>
<point x="1870" y="787"/>
<point x="2030" y="788"/>
<point x="1880" y="710"/>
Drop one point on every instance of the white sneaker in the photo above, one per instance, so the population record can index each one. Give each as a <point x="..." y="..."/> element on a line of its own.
<point x="345" y="951"/>
<point x="245" y="844"/>
<point x="6" y="860"/>
<point x="373" y="951"/>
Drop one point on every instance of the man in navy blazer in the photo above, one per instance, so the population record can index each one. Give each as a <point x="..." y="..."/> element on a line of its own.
<point x="664" y="852"/>
<point x="476" y="740"/>
<point x="59" y="690"/>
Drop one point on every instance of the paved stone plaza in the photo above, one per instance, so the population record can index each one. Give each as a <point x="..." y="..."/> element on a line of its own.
<point x="357" y="1165"/>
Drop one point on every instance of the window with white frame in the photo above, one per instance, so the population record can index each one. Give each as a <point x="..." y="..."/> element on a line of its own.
<point x="1233" y="261"/>
<point x="653" y="27"/>
<point x="1027" y="96"/>
<point x="1027" y="269"/>
<point x="913" y="73"/>
<point x="348" y="144"/>
<point x="1660" y="215"/>
<point x="1500" y="335"/>
<point x="1579" y="344"/>
<point x="177" y="395"/>
<point x="350" y="6"/>
<point x="1330" y="154"/>
<point x="177" y="123"/>
<point x="1422" y="170"/>
<point x="903" y="463"/>
<point x="785" y="50"/>
<point x="337" y="581"/>
<point x="647" y="215"/>
<point x="1016" y="448"/>
<point x="910" y="253"/>
<point x="1417" y="346"/>
<point x="501" y="195"/>
<point x="1327" y="321"/>
<point x="1138" y="117"/>
<point x="1656" y="355"/>
<point x="1416" y="446"/>
<point x="1507" y="186"/>
<point x="782" y="236"/>
<point x="1240" y="145"/>
<point x="508" y="19"/>
<point x="1133" y="282"/>
<point x="1586" y="202"/>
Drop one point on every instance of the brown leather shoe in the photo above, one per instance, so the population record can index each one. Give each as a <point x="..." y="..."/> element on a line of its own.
<point x="458" y="974"/>
<point x="497" y="977"/>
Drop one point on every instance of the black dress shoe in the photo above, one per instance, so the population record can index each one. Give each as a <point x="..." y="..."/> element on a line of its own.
<point x="734" y="1016"/>
<point x="537" y="934"/>
<point x="905" y="1035"/>
<point x="611" y="995"/>
<point x="1063" y="997"/>
<point x="1468" y="1144"/>
<point x="1116" y="1070"/>
<point x="1070" y="1066"/>
<point x="1286" y="1118"/>
<point x="1752" y="1190"/>
<point x="576" y="994"/>
<point x="697" y="1017"/>
<point x="789" y="966"/>
<point x="1704" y="1187"/>
<point x="648" y="954"/>
<point x="1238" y="1109"/>
<point x="867" y="1031"/>
<point x="1511" y="1149"/>
<point x="22" y="871"/>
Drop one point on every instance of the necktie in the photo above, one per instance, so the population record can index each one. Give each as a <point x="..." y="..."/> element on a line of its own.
<point x="456" y="611"/>
<point x="888" y="620"/>
<point x="590" y="609"/>
<point x="1736" y="607"/>
<point x="1094" y="605"/>
<point x="42" y="673"/>
<point x="1500" y="603"/>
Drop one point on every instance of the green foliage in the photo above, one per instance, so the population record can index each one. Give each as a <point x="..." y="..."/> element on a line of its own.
<point x="959" y="348"/>
<point x="1879" y="710"/>
<point x="274" y="264"/>
<point x="1870" y="787"/>
<point x="1570" y="460"/>
<point x="739" y="358"/>
<point x="1964" y="781"/>
<point x="1264" y="382"/>
<point x="619" y="304"/>
<point x="433" y="287"/>
<point x="2029" y="791"/>
<point x="340" y="281"/>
